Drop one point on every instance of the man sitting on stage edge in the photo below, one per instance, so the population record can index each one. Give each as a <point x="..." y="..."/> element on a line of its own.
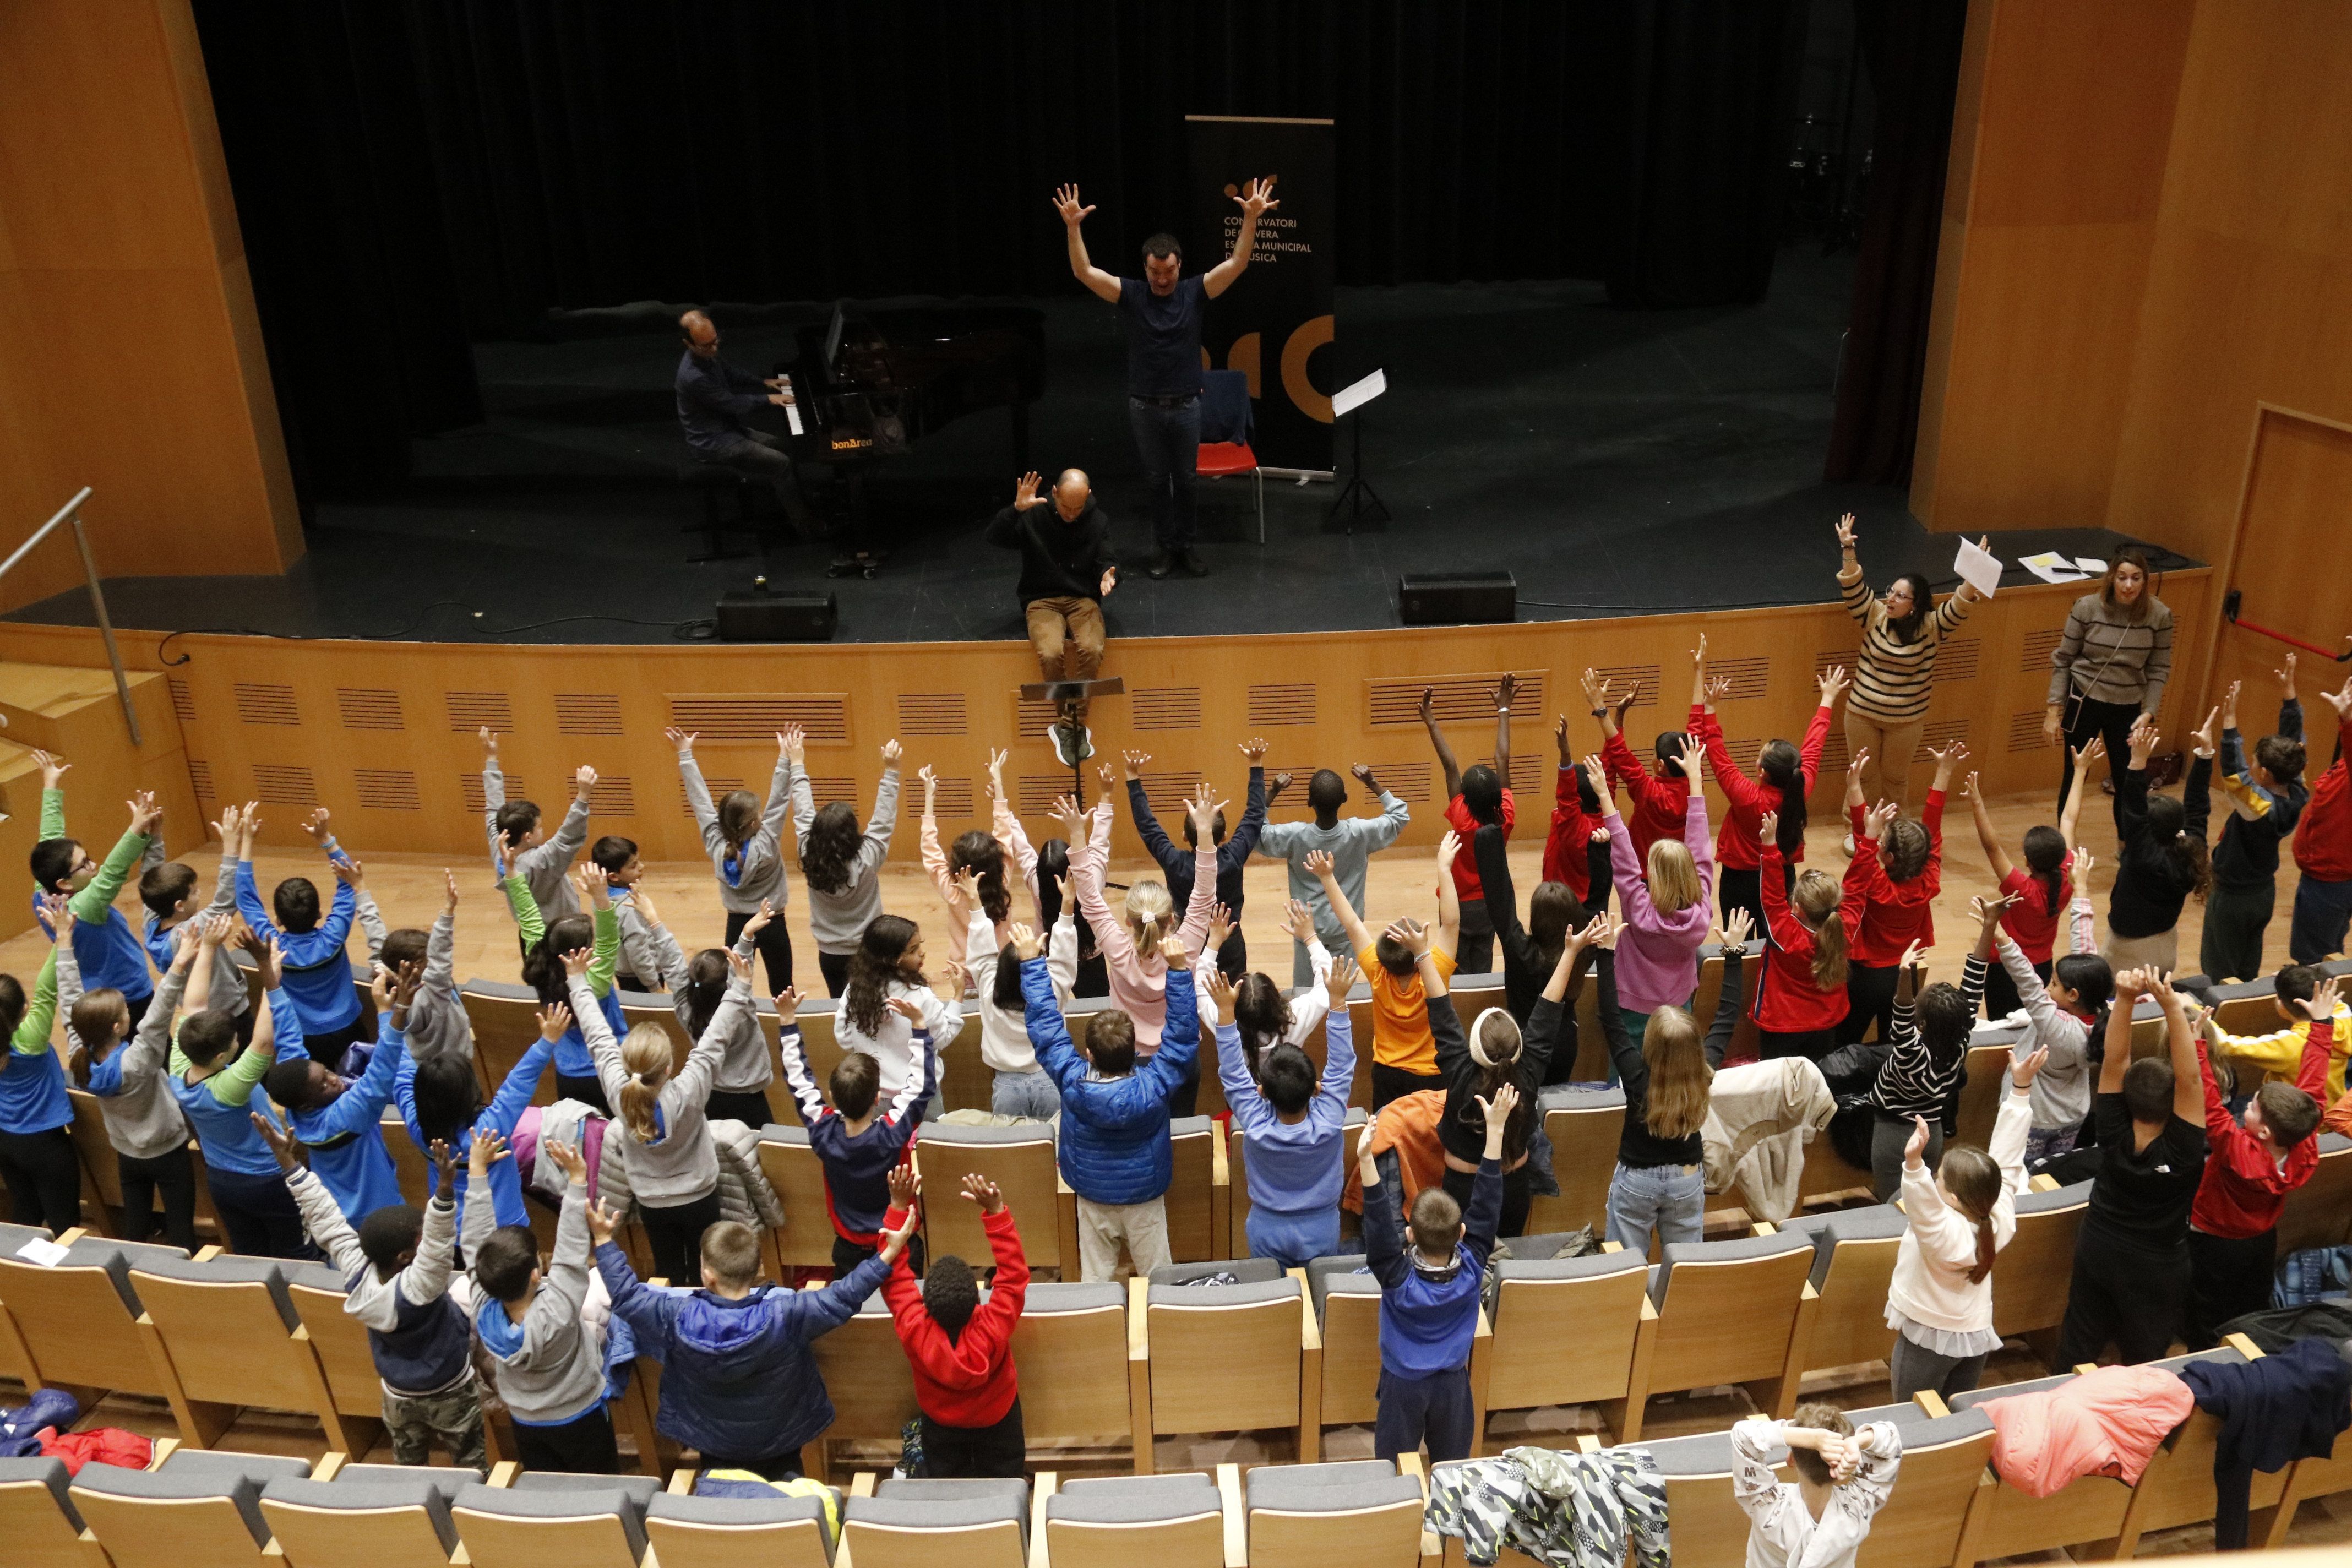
<point x="1163" y="313"/>
<point x="1065" y="572"/>
<point x="713" y="396"/>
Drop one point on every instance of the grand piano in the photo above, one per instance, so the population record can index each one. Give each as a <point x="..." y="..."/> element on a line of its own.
<point x="872" y="383"/>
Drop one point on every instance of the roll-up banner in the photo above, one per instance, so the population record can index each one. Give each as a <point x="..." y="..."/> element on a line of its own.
<point x="1273" y="322"/>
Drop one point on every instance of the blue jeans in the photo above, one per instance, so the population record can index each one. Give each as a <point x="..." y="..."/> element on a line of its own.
<point x="1030" y="1094"/>
<point x="2323" y="910"/>
<point x="1671" y="1199"/>
<point x="1168" y="439"/>
<point x="1292" y="1239"/>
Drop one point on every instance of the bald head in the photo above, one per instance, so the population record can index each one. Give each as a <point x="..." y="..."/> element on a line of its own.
<point x="1071" y="492"/>
<point x="699" y="334"/>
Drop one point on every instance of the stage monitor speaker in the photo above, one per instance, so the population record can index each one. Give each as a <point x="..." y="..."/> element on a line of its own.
<point x="1456" y="598"/>
<point x="759" y="615"/>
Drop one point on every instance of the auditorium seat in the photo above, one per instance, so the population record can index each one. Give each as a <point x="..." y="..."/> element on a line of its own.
<point x="793" y="1169"/>
<point x="1348" y="1308"/>
<point x="101" y="1175"/>
<point x="780" y="1531"/>
<point x="1733" y="1312"/>
<point x="1177" y="1521"/>
<point x="1853" y="1262"/>
<point x="505" y="1020"/>
<point x="1567" y="1330"/>
<point x="1196" y="1199"/>
<point x="340" y="1342"/>
<point x="2179" y="1486"/>
<point x="38" y="1521"/>
<point x="2032" y="1274"/>
<point x="396" y="1516"/>
<point x="1324" y="1516"/>
<point x="1583" y="1125"/>
<point x="77" y="1323"/>
<point x="866" y="1376"/>
<point x="2086" y="1519"/>
<point x="1988" y="1069"/>
<point x="195" y="1510"/>
<point x="234" y="1338"/>
<point x="1072" y="1351"/>
<point x="2248" y="1006"/>
<point x="921" y="1525"/>
<point x="409" y="1165"/>
<point x="1227" y="1358"/>
<point x="1020" y="1160"/>
<point x="2317" y="1213"/>
<point x="541" y="1518"/>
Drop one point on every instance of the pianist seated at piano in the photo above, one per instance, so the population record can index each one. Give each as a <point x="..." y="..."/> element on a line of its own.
<point x="713" y="398"/>
<point x="1065" y="572"/>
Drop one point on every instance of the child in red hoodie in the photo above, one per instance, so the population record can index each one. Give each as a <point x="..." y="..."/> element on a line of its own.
<point x="961" y="1347"/>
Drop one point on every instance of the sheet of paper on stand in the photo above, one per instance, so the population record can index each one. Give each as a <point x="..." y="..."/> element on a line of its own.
<point x="1349" y="398"/>
<point x="1978" y="568"/>
<point x="2052" y="567"/>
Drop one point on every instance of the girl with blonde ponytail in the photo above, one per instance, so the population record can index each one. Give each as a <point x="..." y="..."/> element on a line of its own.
<point x="1939" y="1302"/>
<point x="666" y="1148"/>
<point x="1801" y="998"/>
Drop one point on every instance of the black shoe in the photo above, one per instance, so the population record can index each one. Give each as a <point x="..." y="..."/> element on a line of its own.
<point x="1161" y="564"/>
<point x="1193" y="563"/>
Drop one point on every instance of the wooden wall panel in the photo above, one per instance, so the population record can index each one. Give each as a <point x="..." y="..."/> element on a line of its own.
<point x="2298" y="487"/>
<point x="417" y="787"/>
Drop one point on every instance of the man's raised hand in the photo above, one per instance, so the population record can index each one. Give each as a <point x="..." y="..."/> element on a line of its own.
<point x="1066" y="202"/>
<point x="1256" y="197"/>
<point x="1025" y="491"/>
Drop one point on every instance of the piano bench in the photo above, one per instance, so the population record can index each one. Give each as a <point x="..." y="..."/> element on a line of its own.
<point x="715" y="480"/>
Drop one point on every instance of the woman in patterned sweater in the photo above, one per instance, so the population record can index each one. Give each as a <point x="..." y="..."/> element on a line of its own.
<point x="1901" y="632"/>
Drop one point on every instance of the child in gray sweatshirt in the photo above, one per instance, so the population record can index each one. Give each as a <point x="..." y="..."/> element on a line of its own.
<point x="697" y="989"/>
<point x="841" y="867"/>
<point x="438" y="1024"/>
<point x="744" y="841"/>
<point x="515" y="834"/>
<point x="143" y="1122"/>
<point x="548" y="1365"/>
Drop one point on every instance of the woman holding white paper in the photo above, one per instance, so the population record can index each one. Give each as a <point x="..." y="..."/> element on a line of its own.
<point x="1901" y="631"/>
<point x="2110" y="667"/>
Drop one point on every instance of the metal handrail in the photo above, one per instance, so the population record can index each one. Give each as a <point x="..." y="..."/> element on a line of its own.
<point x="71" y="512"/>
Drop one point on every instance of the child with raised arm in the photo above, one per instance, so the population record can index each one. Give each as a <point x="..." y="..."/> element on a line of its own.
<point x="1665" y="912"/>
<point x="1018" y="1086"/>
<point x="1292" y="1128"/>
<point x="1574" y="852"/>
<point x="2278" y="1053"/>
<point x="169" y="891"/>
<point x="2267" y="796"/>
<point x="841" y="867"/>
<point x="2062" y="1017"/>
<point x="310" y="947"/>
<point x="1661" y="800"/>
<point x="980" y="852"/>
<point x="887" y="969"/>
<point x="745" y="843"/>
<point x="2233" y="1224"/>
<point x="697" y="991"/>
<point x="441" y="1100"/>
<point x="2323" y="849"/>
<point x="1263" y="1017"/>
<point x="125" y="1069"/>
<point x="1784" y="777"/>
<point x="639" y="967"/>
<point x="738" y="1383"/>
<point x="2130" y="1281"/>
<point x="665" y="1147"/>
<point x="341" y="1119"/>
<point x="1429" y="1275"/>
<point x="1897" y="884"/>
<point x="518" y="845"/>
<point x="1926" y="1057"/>
<point x="2163" y="860"/>
<point x="37" y="1149"/>
<point x="1350" y="843"/>
<point x="860" y="1136"/>
<point x="1660" y="1182"/>
<point x="545" y="944"/>
<point x="1809" y="930"/>
<point x="438" y="1024"/>
<point x="1476" y="797"/>
<point x="1962" y="1212"/>
<point x="1233" y="853"/>
<point x="547" y="1364"/>
<point x="2043" y="887"/>
<point x="110" y="955"/>
<point x="397" y="1266"/>
<point x="1113" y="1148"/>
<point x="1843" y="1478"/>
<point x="1404" y="1052"/>
<point x="1492" y="1052"/>
<point x="959" y="1347"/>
<point x="213" y="1082"/>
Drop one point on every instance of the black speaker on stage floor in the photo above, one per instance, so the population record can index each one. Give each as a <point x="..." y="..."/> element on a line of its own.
<point x="759" y="615"/>
<point x="1456" y="598"/>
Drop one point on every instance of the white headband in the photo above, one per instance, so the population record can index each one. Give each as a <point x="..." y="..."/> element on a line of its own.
<point x="1478" y="1033"/>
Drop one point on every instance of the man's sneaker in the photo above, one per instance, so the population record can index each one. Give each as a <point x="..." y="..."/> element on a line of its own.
<point x="1193" y="563"/>
<point x="1074" y="743"/>
<point x="1161" y="564"/>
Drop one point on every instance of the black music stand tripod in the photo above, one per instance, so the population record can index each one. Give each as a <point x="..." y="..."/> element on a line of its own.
<point x="1361" y="503"/>
<point x="1073" y="742"/>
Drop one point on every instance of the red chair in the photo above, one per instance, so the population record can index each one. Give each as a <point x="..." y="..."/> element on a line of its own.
<point x="1225" y="411"/>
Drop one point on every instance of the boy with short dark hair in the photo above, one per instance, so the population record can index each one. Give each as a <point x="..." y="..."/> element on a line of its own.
<point x="2253" y="1166"/>
<point x="1177" y="866"/>
<point x="168" y="890"/>
<point x="2280" y="1053"/>
<point x="640" y="968"/>
<point x="856" y="1144"/>
<point x="518" y="843"/>
<point x="398" y="1269"/>
<point x="317" y="976"/>
<point x="1429" y="1282"/>
<point x="2267" y="800"/>
<point x="1351" y="843"/>
<point x="959" y="1347"/>
<point x="438" y="1024"/>
<point x="111" y="956"/>
<point x="739" y="1383"/>
<point x="1843" y="1478"/>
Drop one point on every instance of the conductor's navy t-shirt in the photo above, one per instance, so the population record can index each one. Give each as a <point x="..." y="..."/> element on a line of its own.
<point x="1163" y="336"/>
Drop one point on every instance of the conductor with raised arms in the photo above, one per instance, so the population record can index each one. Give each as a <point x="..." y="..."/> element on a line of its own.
<point x="1163" y="312"/>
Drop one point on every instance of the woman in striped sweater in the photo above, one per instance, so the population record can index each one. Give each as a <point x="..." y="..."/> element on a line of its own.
<point x="1901" y="632"/>
<point x="2110" y="667"/>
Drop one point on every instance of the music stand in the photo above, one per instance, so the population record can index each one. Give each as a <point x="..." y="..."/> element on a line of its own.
<point x="1363" y="503"/>
<point x="1071" y="741"/>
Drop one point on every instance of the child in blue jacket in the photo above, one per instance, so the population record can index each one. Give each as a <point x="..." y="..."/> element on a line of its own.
<point x="1429" y="1298"/>
<point x="1113" y="1148"/>
<point x="341" y="1119"/>
<point x="311" y="949"/>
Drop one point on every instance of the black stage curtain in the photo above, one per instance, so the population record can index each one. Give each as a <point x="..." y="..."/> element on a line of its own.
<point x="1912" y="51"/>
<point x="510" y="156"/>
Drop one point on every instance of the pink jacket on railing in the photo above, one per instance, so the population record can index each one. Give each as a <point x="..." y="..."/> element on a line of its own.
<point x="2103" y="1423"/>
<point x="1139" y="982"/>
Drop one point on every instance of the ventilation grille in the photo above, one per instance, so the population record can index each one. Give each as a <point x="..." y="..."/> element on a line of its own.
<point x="719" y="789"/>
<point x="1270" y="707"/>
<point x="1165" y="708"/>
<point x="1642" y="678"/>
<point x="615" y="795"/>
<point x="1749" y="677"/>
<point x="1454" y="699"/>
<point x="472" y="710"/>
<point x="954" y="803"/>
<point x="183" y="700"/>
<point x="1743" y="753"/>
<point x="587" y="713"/>
<point x="1034" y="793"/>
<point x="284" y="785"/>
<point x="828" y="789"/>
<point x="1846" y="659"/>
<point x="933" y="713"/>
<point x="2039" y="647"/>
<point x="200" y="775"/>
<point x="1958" y="658"/>
<point x="369" y="708"/>
<point x="1527" y="773"/>
<point x="1941" y="733"/>
<point x="475" y="801"/>
<point x="1835" y="754"/>
<point x="260" y="704"/>
<point x="387" y="789"/>
<point x="2025" y="731"/>
<point x="824" y="717"/>
<point x="1167" y="792"/>
<point x="1032" y="720"/>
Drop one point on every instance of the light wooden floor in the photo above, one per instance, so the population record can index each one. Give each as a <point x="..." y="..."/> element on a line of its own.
<point x="409" y="888"/>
